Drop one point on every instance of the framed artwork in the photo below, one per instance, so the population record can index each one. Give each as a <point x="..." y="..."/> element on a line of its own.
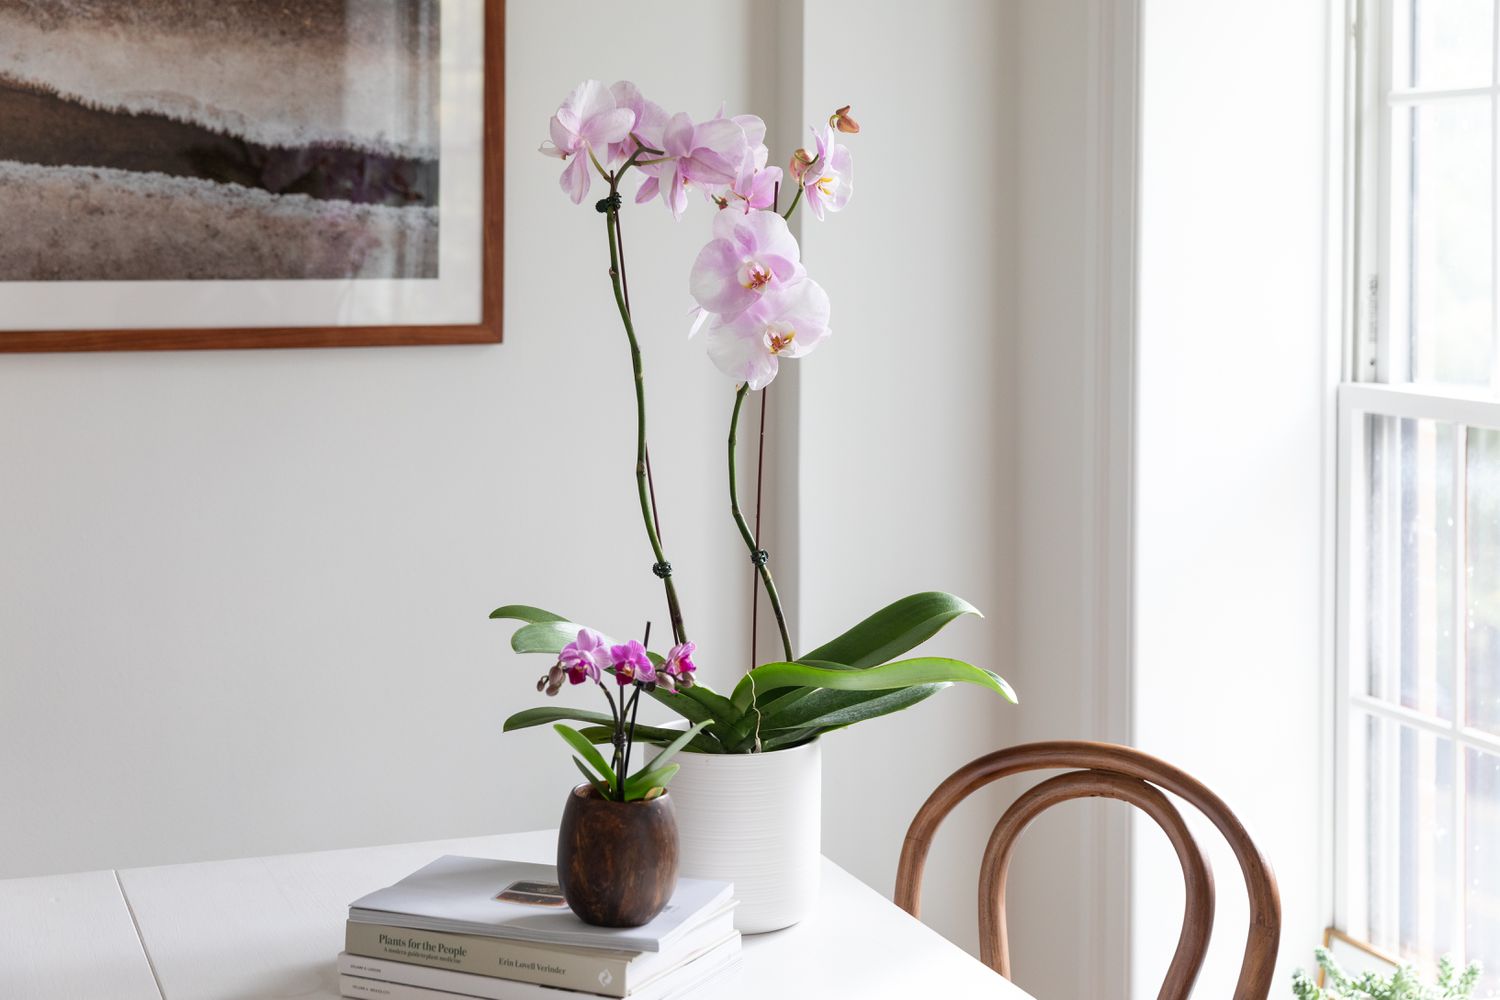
<point x="250" y="173"/>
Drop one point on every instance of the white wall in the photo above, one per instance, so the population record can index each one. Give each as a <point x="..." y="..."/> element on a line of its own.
<point x="243" y="597"/>
<point x="907" y="415"/>
<point x="244" y="594"/>
<point x="1233" y="388"/>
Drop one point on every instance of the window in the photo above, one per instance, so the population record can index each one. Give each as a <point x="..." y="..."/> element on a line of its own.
<point x="1419" y="509"/>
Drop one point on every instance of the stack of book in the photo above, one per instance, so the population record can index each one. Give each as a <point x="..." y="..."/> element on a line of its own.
<point x="474" y="927"/>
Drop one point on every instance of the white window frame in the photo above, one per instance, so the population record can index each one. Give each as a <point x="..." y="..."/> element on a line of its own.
<point x="1374" y="384"/>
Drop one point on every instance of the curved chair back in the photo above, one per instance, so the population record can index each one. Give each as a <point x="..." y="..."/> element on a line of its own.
<point x="1103" y="770"/>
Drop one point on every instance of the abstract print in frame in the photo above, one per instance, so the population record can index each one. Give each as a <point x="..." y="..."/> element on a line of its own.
<point x="249" y="173"/>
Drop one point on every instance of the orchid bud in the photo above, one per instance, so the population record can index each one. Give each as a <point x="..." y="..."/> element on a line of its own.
<point x="541" y="683"/>
<point x="685" y="681"/>
<point x="666" y="681"/>
<point x="801" y="160"/>
<point x="840" y="120"/>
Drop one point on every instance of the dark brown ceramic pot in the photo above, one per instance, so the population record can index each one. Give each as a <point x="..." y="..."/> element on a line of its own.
<point x="617" y="861"/>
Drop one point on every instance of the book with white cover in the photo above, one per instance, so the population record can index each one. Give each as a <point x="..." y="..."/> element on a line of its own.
<point x="509" y="899"/>
<point x="669" y="983"/>
<point x="596" y="970"/>
<point x="711" y="986"/>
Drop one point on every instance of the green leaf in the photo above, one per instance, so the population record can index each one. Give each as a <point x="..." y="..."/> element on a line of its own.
<point x="642" y="784"/>
<point x="525" y="613"/>
<point x="598" y="785"/>
<point x="791" y="738"/>
<point x="541" y="716"/>
<point x="699" y="703"/>
<point x="828" y="709"/>
<point x="671" y="749"/>
<point x="894" y="629"/>
<point x="901" y="674"/>
<point x="545" y="637"/>
<point x="587" y="751"/>
<point x="702" y="743"/>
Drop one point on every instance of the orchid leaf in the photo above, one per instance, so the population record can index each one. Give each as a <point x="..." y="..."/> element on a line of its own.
<point x="828" y="709"/>
<point x="704" y="742"/>
<point x="592" y="780"/>
<point x="545" y="637"/>
<point x="645" y="781"/>
<point x="541" y="716"/>
<point x="698" y="703"/>
<point x="588" y="752"/>
<point x="901" y="674"/>
<point x="894" y="629"/>
<point x="791" y="738"/>
<point x="526" y="613"/>
<point x="671" y="749"/>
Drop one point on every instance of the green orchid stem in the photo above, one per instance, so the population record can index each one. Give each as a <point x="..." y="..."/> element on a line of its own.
<point x="787" y="215"/>
<point x="674" y="609"/>
<point x="739" y="519"/>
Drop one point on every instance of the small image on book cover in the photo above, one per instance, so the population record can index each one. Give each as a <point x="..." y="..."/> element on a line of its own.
<point x="532" y="893"/>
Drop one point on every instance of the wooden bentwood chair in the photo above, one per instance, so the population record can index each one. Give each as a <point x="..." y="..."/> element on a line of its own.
<point x="1103" y="770"/>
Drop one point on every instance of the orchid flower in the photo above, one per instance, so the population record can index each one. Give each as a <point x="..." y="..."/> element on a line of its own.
<point x="706" y="154"/>
<point x="786" y="324"/>
<point x="631" y="664"/>
<point x="586" y="124"/>
<point x="585" y="657"/>
<point x="680" y="664"/>
<point x="749" y="256"/>
<point x="828" y="180"/>
<point x="649" y="123"/>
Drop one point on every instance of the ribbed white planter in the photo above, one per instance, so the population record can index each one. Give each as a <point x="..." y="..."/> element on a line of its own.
<point x="755" y="820"/>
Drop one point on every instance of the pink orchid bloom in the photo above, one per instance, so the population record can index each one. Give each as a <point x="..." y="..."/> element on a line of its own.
<point x="754" y="186"/>
<point x="786" y="324"/>
<point x="585" y="657"/>
<point x="680" y="659"/>
<point x="828" y="182"/>
<point x="650" y="122"/>
<point x="586" y="123"/>
<point x="749" y="256"/>
<point x="706" y="154"/>
<point x="632" y="664"/>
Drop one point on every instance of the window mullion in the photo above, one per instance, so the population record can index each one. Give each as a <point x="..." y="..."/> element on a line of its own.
<point x="1460" y="676"/>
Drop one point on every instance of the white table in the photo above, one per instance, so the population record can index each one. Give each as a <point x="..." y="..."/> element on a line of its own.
<point x="266" y="928"/>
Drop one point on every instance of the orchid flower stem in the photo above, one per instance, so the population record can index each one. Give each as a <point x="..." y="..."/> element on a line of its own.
<point x="643" y="489"/>
<point x="635" y="706"/>
<point x="787" y="215"/>
<point x="619" y="735"/>
<point x="739" y="519"/>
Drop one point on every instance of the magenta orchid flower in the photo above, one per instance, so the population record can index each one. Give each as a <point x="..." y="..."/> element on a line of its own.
<point x="680" y="664"/>
<point x="631" y="664"/>
<point x="786" y="324"/>
<point x="586" y="124"/>
<point x="706" y="154"/>
<point x="585" y="657"/>
<point x="750" y="256"/>
<point x="828" y="182"/>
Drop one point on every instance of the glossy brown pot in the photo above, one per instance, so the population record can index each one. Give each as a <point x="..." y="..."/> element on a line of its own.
<point x="617" y="861"/>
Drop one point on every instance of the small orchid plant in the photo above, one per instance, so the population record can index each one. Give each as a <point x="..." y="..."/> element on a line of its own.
<point x="755" y="307"/>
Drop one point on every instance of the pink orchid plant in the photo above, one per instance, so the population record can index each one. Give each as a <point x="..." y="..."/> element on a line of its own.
<point x="757" y="306"/>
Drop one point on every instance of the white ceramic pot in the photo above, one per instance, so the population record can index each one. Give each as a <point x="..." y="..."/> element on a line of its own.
<point x="755" y="820"/>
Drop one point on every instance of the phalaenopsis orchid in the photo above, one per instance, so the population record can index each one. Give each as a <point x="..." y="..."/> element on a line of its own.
<point x="756" y="305"/>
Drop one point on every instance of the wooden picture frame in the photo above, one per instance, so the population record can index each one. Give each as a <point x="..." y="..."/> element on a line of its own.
<point x="489" y="278"/>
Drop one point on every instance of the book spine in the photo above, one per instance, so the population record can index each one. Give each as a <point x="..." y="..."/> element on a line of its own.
<point x="353" y="986"/>
<point x="465" y="984"/>
<point x="519" y="961"/>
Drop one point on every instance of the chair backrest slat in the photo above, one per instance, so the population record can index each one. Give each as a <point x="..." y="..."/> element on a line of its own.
<point x="1114" y="772"/>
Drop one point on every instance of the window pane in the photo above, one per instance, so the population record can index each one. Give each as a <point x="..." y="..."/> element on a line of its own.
<point x="1482" y="913"/>
<point x="1442" y="43"/>
<point x="1482" y="680"/>
<point x="1440" y="239"/>
<point x="1412" y="543"/>
<point x="1411" y="846"/>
